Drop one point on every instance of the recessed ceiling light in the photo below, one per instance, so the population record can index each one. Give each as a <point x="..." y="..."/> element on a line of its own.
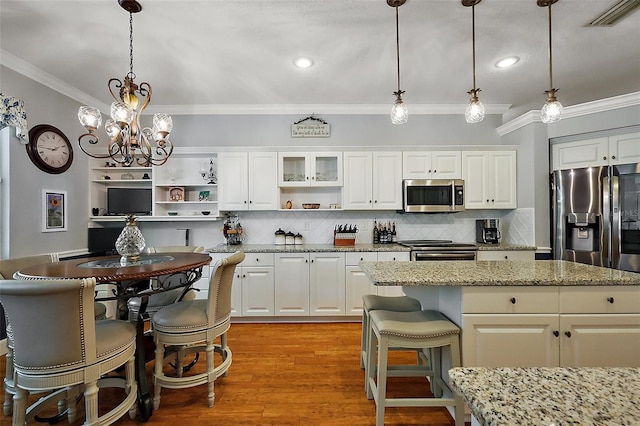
<point x="507" y="62"/>
<point x="303" y="62"/>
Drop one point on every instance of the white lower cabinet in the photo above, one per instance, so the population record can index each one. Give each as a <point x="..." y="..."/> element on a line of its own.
<point x="292" y="284"/>
<point x="551" y="326"/>
<point x="252" y="293"/>
<point x="327" y="284"/>
<point x="309" y="284"/>
<point x="357" y="284"/>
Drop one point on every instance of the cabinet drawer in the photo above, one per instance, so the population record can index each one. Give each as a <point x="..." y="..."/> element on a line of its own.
<point x="505" y="255"/>
<point x="510" y="300"/>
<point x="363" y="256"/>
<point x="600" y="300"/>
<point x="258" y="259"/>
<point x="385" y="256"/>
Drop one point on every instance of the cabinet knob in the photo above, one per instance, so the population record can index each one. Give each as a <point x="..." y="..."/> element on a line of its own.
<point x="250" y="201"/>
<point x="513" y="300"/>
<point x="306" y="261"/>
<point x="361" y="259"/>
<point x="244" y="275"/>
<point x="375" y="201"/>
<point x="435" y="171"/>
<point x="556" y="333"/>
<point x="492" y="200"/>
<point x="257" y="259"/>
<point x="429" y="171"/>
<point x="394" y="258"/>
<point x="238" y="276"/>
<point x="307" y="177"/>
<point x="369" y="201"/>
<point x="604" y="158"/>
<point x="613" y="157"/>
<point x="245" y="201"/>
<point x="506" y="257"/>
<point x="487" y="200"/>
<point x="610" y="300"/>
<point x="311" y="260"/>
<point x="313" y="178"/>
<point x="567" y="333"/>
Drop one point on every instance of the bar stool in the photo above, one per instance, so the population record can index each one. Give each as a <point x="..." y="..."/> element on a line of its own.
<point x="373" y="302"/>
<point x="417" y="330"/>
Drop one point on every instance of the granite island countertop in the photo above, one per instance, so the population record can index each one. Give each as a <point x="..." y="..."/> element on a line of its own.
<point x="550" y="396"/>
<point x="505" y="247"/>
<point x="305" y="248"/>
<point x="495" y="273"/>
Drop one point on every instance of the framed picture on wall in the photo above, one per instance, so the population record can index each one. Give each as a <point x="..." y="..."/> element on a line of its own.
<point x="54" y="210"/>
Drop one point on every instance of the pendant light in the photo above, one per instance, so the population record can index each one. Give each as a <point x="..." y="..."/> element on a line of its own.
<point x="552" y="109"/>
<point x="475" y="110"/>
<point x="399" y="111"/>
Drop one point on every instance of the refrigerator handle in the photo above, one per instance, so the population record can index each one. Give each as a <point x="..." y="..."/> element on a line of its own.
<point x="614" y="231"/>
<point x="605" y="226"/>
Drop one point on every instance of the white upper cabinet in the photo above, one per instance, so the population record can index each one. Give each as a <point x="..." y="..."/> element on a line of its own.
<point x="612" y="150"/>
<point x="373" y="180"/>
<point x="248" y="181"/>
<point x="432" y="165"/>
<point x="489" y="179"/>
<point x="310" y="169"/>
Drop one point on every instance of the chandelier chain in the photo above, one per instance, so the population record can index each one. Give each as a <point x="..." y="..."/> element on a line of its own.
<point x="131" y="73"/>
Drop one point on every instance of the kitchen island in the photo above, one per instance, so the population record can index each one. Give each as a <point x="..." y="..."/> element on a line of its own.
<point x="546" y="313"/>
<point x="550" y="396"/>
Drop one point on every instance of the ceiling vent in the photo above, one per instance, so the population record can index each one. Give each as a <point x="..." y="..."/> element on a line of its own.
<point x="615" y="13"/>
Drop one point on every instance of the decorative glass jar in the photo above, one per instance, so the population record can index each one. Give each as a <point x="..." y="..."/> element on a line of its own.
<point x="130" y="243"/>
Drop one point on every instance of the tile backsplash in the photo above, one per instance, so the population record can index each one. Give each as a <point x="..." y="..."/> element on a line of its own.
<point x="517" y="226"/>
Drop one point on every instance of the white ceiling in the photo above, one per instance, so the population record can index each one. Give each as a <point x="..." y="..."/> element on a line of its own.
<point x="236" y="55"/>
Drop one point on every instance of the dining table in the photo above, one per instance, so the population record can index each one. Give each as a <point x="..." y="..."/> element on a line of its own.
<point x="131" y="278"/>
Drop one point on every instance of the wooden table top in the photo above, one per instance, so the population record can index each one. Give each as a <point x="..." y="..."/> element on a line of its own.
<point x="109" y="268"/>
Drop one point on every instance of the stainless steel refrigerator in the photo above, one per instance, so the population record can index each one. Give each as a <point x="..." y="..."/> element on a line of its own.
<point x="595" y="216"/>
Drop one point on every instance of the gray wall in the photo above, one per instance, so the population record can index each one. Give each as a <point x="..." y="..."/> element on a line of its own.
<point x="265" y="130"/>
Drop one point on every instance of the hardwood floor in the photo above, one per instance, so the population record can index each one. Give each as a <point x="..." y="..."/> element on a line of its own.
<point x="289" y="374"/>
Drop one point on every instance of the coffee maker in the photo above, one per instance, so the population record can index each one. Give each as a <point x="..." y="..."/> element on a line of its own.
<point x="488" y="231"/>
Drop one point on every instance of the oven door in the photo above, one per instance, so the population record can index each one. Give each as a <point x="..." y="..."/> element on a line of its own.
<point x="432" y="195"/>
<point x="423" y="255"/>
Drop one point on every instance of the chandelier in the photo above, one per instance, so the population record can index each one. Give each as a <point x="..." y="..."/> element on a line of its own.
<point x="552" y="109"/>
<point x="475" y="110"/>
<point x="399" y="111"/>
<point x="130" y="142"/>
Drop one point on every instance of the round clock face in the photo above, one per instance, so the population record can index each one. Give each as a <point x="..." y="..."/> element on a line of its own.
<point x="49" y="149"/>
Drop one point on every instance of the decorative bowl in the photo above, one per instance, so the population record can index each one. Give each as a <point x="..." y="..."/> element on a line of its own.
<point x="172" y="213"/>
<point x="205" y="213"/>
<point x="311" y="205"/>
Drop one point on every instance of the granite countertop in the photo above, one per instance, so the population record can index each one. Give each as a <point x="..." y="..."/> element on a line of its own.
<point x="505" y="247"/>
<point x="495" y="273"/>
<point x="305" y="248"/>
<point x="550" y="396"/>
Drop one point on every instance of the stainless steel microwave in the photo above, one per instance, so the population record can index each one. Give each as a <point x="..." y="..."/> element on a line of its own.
<point x="433" y="195"/>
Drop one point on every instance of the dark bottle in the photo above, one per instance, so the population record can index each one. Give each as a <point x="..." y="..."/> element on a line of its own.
<point x="376" y="234"/>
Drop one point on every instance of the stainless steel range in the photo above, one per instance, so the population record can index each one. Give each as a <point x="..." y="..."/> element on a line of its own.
<point x="429" y="250"/>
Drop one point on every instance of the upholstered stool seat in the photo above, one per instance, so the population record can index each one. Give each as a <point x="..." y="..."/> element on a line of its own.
<point x="373" y="302"/>
<point x="417" y="330"/>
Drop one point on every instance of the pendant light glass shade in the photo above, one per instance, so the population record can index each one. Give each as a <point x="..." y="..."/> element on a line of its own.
<point x="475" y="110"/>
<point x="399" y="111"/>
<point x="552" y="109"/>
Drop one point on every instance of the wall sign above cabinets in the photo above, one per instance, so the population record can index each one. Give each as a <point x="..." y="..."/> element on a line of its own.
<point x="311" y="127"/>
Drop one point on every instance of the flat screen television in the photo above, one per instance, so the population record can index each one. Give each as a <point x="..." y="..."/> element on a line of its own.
<point x="102" y="241"/>
<point x="125" y="201"/>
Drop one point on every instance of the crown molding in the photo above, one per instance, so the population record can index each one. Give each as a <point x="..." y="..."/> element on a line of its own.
<point x="22" y="67"/>
<point x="578" y="110"/>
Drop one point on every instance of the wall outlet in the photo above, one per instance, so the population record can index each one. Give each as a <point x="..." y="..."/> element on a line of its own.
<point x="305" y="226"/>
<point x="364" y="226"/>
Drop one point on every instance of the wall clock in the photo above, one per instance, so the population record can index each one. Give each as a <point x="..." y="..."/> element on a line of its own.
<point x="49" y="149"/>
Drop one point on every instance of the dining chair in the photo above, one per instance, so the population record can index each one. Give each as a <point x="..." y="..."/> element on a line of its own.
<point x="60" y="348"/>
<point x="191" y="327"/>
<point x="160" y="300"/>
<point x="8" y="267"/>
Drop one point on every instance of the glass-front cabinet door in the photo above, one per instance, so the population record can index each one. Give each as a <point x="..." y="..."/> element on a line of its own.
<point x="310" y="169"/>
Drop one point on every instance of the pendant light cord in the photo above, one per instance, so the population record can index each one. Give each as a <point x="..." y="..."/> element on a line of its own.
<point x="398" y="48"/>
<point x="550" y="51"/>
<point x="473" y="37"/>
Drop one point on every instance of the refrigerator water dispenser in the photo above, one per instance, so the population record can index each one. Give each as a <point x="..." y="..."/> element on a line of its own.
<point x="583" y="232"/>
